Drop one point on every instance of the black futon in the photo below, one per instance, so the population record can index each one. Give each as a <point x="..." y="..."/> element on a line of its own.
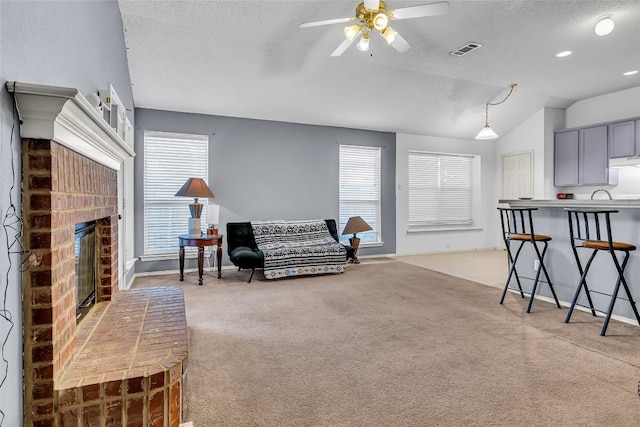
<point x="243" y="250"/>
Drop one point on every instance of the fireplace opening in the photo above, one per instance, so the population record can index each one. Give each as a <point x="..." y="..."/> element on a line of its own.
<point x="86" y="265"/>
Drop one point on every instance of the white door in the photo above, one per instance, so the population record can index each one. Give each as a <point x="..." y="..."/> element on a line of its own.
<point x="517" y="179"/>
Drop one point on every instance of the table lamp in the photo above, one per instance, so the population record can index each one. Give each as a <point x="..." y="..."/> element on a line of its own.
<point x="196" y="188"/>
<point x="355" y="225"/>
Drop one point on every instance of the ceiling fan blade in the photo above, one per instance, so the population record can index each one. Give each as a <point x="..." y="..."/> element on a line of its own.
<point x="432" y="9"/>
<point x="344" y="46"/>
<point x="372" y="4"/>
<point x="400" y="44"/>
<point x="326" y="22"/>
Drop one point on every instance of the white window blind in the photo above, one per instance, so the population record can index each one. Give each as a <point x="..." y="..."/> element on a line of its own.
<point x="169" y="160"/>
<point x="360" y="189"/>
<point x="440" y="189"/>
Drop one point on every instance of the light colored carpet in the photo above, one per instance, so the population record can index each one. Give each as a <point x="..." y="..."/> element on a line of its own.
<point x="393" y="344"/>
<point x="489" y="267"/>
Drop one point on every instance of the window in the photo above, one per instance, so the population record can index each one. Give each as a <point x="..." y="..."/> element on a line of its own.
<point x="440" y="190"/>
<point x="360" y="189"/>
<point x="169" y="160"/>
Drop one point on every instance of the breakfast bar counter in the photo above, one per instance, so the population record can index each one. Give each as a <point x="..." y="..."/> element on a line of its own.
<point x="551" y="219"/>
<point x="573" y="203"/>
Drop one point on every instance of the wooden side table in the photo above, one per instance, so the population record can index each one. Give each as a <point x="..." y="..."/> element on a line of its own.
<point x="200" y="242"/>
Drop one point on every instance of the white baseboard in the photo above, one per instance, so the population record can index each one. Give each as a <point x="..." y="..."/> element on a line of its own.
<point x="565" y="304"/>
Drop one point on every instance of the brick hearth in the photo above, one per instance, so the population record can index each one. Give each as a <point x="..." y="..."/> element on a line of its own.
<point x="125" y="372"/>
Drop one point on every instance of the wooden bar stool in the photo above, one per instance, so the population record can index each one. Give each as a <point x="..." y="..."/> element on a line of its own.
<point x="517" y="226"/>
<point x="591" y="229"/>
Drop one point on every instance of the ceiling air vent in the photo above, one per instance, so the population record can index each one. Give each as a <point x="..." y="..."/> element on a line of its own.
<point x="465" y="49"/>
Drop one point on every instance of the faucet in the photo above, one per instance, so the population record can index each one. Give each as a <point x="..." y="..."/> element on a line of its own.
<point x="601" y="189"/>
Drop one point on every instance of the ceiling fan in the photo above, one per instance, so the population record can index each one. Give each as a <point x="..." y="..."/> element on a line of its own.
<point x="372" y="15"/>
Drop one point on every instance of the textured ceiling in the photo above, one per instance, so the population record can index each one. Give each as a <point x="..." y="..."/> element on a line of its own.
<point x="251" y="59"/>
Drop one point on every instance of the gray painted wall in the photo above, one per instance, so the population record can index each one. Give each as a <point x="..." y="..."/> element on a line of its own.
<point x="70" y="44"/>
<point x="261" y="170"/>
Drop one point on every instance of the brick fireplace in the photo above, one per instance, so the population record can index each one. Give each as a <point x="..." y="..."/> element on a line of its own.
<point x="61" y="188"/>
<point x="125" y="363"/>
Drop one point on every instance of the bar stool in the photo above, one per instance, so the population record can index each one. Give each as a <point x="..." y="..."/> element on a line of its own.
<point x="591" y="229"/>
<point x="517" y="226"/>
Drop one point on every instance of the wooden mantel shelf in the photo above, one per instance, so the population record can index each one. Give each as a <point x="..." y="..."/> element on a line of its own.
<point x="64" y="115"/>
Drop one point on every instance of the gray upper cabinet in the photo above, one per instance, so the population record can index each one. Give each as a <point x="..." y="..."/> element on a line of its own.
<point x="581" y="157"/>
<point x="593" y="167"/>
<point x="566" y="158"/>
<point x="622" y="139"/>
<point x="638" y="136"/>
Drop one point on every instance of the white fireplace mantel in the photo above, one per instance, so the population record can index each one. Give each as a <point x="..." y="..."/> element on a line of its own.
<point x="64" y="115"/>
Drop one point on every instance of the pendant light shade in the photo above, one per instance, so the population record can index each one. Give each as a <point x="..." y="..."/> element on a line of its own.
<point x="486" y="133"/>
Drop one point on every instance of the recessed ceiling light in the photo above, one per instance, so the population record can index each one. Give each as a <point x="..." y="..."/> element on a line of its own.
<point x="563" y="54"/>
<point x="605" y="25"/>
<point x="630" y="73"/>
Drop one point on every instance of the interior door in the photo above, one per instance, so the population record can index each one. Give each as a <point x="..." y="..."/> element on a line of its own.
<point x="517" y="180"/>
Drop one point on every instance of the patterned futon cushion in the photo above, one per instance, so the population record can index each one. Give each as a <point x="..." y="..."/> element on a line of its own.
<point x="294" y="248"/>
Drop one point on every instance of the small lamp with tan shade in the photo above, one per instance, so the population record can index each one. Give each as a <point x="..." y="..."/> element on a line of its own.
<point x="196" y="188"/>
<point x="355" y="225"/>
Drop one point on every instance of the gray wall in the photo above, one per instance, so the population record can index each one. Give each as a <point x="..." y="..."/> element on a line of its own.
<point x="261" y="170"/>
<point x="70" y="44"/>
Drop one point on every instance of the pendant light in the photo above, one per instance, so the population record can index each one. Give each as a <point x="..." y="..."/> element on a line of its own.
<point x="486" y="132"/>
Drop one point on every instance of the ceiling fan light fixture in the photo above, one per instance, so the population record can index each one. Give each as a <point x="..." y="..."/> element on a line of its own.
<point x="389" y="34"/>
<point x="605" y="25"/>
<point x="363" y="44"/>
<point x="373" y="15"/>
<point x="380" y="21"/>
<point x="352" y="32"/>
<point x="371" y="5"/>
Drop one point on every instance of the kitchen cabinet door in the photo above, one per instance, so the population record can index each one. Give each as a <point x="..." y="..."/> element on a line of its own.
<point x="638" y="136"/>
<point x="566" y="158"/>
<point x="594" y="156"/>
<point x="622" y="139"/>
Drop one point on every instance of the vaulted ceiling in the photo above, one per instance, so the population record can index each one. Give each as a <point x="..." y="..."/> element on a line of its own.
<point x="251" y="59"/>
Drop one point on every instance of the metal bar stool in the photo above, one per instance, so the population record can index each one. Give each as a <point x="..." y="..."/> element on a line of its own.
<point x="591" y="229"/>
<point x="517" y="226"/>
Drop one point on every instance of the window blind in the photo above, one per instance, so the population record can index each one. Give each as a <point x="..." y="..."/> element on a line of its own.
<point x="360" y="189"/>
<point x="440" y="189"/>
<point x="169" y="160"/>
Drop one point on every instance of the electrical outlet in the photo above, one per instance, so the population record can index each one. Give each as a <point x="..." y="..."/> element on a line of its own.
<point x="536" y="264"/>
